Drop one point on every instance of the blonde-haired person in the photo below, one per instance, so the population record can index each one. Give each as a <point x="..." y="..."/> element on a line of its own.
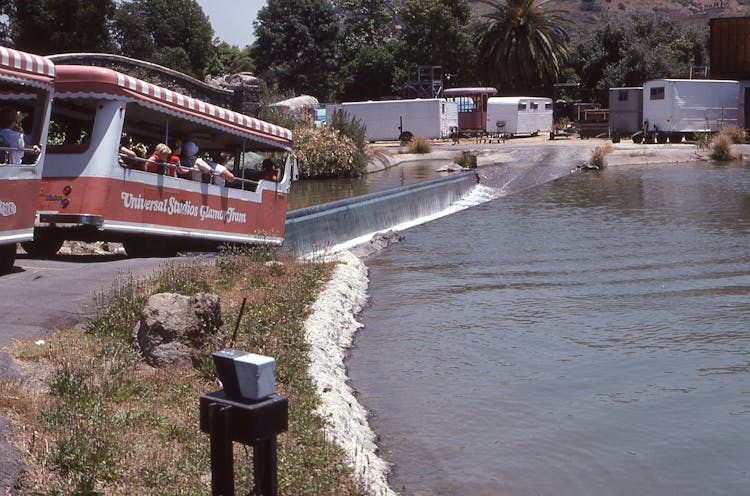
<point x="158" y="160"/>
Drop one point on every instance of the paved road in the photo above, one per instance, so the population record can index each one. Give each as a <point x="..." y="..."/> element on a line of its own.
<point x="41" y="296"/>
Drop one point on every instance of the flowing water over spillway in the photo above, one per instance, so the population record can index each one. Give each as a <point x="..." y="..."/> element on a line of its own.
<point x="589" y="336"/>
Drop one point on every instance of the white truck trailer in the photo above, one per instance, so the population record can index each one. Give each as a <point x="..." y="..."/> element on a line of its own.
<point x="388" y="120"/>
<point x="511" y="115"/>
<point x="677" y="108"/>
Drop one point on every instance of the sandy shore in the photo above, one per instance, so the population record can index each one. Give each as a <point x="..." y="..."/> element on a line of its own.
<point x="517" y="164"/>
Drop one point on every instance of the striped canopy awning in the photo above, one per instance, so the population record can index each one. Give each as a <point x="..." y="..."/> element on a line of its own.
<point x="22" y="65"/>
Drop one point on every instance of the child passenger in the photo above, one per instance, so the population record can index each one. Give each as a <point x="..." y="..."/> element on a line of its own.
<point x="158" y="160"/>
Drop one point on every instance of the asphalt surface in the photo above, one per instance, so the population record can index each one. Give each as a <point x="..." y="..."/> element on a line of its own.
<point x="42" y="296"/>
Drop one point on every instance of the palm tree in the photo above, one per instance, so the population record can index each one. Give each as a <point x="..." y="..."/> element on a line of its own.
<point x="521" y="44"/>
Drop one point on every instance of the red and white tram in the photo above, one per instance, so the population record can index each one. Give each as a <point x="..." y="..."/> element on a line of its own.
<point x="26" y="85"/>
<point x="89" y="194"/>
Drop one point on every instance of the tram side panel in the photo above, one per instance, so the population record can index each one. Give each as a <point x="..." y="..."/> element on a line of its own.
<point x="90" y="196"/>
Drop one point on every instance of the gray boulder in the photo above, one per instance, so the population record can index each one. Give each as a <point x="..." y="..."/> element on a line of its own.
<point x="178" y="330"/>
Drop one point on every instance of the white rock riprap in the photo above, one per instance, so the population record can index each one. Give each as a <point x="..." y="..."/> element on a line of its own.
<point x="329" y="331"/>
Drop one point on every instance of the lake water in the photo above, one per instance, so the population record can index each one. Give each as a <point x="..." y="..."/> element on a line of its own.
<point x="590" y="336"/>
<point x="314" y="192"/>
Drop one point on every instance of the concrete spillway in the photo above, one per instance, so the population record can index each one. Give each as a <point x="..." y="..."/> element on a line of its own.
<point x="320" y="227"/>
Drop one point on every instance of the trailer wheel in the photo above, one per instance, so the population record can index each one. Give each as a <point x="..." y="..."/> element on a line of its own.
<point x="675" y="137"/>
<point x="649" y="138"/>
<point x="637" y="138"/>
<point x="661" y="138"/>
<point x="7" y="257"/>
<point x="42" y="246"/>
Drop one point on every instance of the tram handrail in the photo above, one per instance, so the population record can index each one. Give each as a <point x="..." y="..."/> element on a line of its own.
<point x="122" y="157"/>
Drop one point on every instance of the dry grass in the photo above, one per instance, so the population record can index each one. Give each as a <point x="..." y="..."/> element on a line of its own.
<point x="419" y="144"/>
<point x="108" y="424"/>
<point x="721" y="149"/>
<point x="736" y="134"/>
<point x="599" y="154"/>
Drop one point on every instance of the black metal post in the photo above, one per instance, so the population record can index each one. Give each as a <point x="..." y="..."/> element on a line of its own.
<point x="264" y="467"/>
<point x="222" y="457"/>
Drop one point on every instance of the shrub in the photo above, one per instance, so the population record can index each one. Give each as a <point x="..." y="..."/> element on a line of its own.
<point x="735" y="134"/>
<point x="721" y="149"/>
<point x="326" y="152"/>
<point x="419" y="145"/>
<point x="599" y="156"/>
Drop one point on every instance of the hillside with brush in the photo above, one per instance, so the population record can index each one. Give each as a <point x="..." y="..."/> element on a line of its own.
<point x="586" y="14"/>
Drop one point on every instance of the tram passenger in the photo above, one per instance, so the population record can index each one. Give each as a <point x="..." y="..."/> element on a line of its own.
<point x="158" y="160"/>
<point x="174" y="160"/>
<point x="12" y="137"/>
<point x="267" y="171"/>
<point x="190" y="159"/>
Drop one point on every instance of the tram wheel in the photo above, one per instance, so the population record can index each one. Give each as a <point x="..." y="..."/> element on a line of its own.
<point x="7" y="257"/>
<point x="42" y="247"/>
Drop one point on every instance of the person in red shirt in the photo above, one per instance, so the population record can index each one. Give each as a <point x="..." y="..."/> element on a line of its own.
<point x="158" y="160"/>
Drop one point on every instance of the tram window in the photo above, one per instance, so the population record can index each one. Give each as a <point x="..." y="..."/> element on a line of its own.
<point x="71" y="125"/>
<point x="27" y="103"/>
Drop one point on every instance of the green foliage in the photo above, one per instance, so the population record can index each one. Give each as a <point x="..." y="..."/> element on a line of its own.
<point x="631" y="51"/>
<point x="229" y="59"/>
<point x="368" y="73"/>
<point x="351" y="127"/>
<point x="325" y="152"/>
<point x="296" y="46"/>
<point x="437" y="33"/>
<point x="522" y="43"/>
<point x="173" y="33"/>
<point x="53" y="26"/>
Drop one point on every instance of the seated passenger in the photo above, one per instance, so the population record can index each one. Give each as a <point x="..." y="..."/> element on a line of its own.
<point x="267" y="171"/>
<point x="190" y="159"/>
<point x="12" y="138"/>
<point x="157" y="162"/>
<point x="175" y="163"/>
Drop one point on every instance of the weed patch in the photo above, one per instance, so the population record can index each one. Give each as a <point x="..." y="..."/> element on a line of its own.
<point x="106" y="423"/>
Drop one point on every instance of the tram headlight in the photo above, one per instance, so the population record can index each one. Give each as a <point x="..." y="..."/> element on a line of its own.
<point x="67" y="190"/>
<point x="64" y="203"/>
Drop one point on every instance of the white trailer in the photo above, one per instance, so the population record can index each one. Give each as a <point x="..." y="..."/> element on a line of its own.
<point x="511" y="115"/>
<point x="388" y="120"/>
<point x="625" y="111"/>
<point x="674" y="108"/>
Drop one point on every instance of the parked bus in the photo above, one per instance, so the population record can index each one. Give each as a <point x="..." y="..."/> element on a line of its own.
<point x="91" y="191"/>
<point x="26" y="86"/>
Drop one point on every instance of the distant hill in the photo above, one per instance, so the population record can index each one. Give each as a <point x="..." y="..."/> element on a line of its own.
<point x="587" y="14"/>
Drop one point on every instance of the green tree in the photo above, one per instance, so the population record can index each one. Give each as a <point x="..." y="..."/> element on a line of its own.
<point x="58" y="26"/>
<point x="368" y="74"/>
<point x="632" y="51"/>
<point x="365" y="23"/>
<point x="436" y="32"/>
<point x="6" y="10"/>
<point x="521" y="43"/>
<point x="229" y="59"/>
<point x="296" y="46"/>
<point x="173" y="33"/>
